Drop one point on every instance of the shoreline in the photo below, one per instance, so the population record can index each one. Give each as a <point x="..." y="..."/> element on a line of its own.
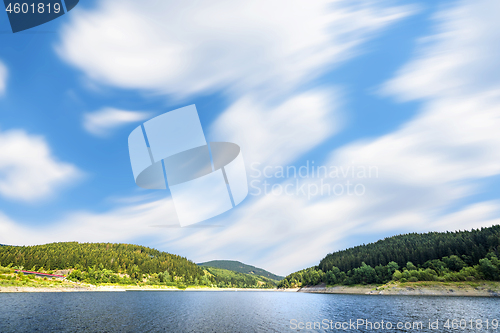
<point x="477" y="289"/>
<point x="115" y="288"/>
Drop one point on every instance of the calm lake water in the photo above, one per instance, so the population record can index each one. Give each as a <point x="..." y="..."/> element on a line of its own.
<point x="243" y="311"/>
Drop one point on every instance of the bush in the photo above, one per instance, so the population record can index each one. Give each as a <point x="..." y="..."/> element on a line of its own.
<point x="5" y="270"/>
<point x="413" y="279"/>
<point x="489" y="269"/>
<point x="114" y="279"/>
<point x="454" y="263"/>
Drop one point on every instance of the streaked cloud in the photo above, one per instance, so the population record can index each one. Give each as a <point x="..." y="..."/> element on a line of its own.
<point x="117" y="225"/>
<point x="459" y="58"/>
<point x="279" y="133"/>
<point x="103" y="122"/>
<point x="454" y="74"/>
<point x="28" y="169"/>
<point x="183" y="48"/>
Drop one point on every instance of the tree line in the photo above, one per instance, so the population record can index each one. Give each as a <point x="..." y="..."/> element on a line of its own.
<point x="227" y="278"/>
<point x="119" y="258"/>
<point x="449" y="256"/>
<point x="99" y="263"/>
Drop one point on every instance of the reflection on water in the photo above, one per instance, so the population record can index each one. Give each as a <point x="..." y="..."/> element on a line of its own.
<point x="243" y="311"/>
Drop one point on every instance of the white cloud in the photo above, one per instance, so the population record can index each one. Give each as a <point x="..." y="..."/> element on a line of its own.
<point x="280" y="133"/>
<point x="453" y="140"/>
<point x="456" y="136"/>
<point x="104" y="121"/>
<point x="460" y="58"/>
<point x="118" y="225"/>
<point x="28" y="170"/>
<point x="180" y="48"/>
<point x="3" y="78"/>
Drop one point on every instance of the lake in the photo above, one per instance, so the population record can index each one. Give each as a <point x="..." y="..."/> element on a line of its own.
<point x="242" y="311"/>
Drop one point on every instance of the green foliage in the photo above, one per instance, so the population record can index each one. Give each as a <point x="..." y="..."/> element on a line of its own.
<point x="102" y="263"/>
<point x="240" y="267"/>
<point x="467" y="246"/>
<point x="410" y="266"/>
<point x="463" y="265"/>
<point x="454" y="263"/>
<point x="364" y="275"/>
<point x="305" y="277"/>
<point x="100" y="260"/>
<point x="224" y="278"/>
<point x="164" y="277"/>
<point x="490" y="268"/>
<point x="4" y="270"/>
<point x="94" y="276"/>
<point x="28" y="280"/>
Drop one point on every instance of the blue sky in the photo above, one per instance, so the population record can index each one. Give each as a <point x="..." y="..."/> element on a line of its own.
<point x="409" y="88"/>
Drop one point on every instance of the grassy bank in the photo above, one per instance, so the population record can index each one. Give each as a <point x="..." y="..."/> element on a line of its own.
<point x="14" y="282"/>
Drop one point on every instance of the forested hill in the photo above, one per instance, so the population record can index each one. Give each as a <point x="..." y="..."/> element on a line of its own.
<point x="442" y="257"/>
<point x="124" y="264"/>
<point x="223" y="277"/>
<point x="240" y="267"/>
<point x="119" y="258"/>
<point x="470" y="246"/>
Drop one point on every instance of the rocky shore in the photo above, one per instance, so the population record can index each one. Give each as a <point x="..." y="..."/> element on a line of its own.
<point x="84" y="288"/>
<point x="484" y="288"/>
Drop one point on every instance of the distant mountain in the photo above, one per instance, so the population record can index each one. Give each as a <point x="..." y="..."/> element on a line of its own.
<point x="240" y="267"/>
<point x="224" y="278"/>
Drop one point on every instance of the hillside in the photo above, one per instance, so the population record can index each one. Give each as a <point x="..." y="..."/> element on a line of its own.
<point x="228" y="278"/>
<point x="240" y="267"/>
<point x="418" y="248"/>
<point x="443" y="257"/>
<point x="125" y="264"/>
<point x="119" y="258"/>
